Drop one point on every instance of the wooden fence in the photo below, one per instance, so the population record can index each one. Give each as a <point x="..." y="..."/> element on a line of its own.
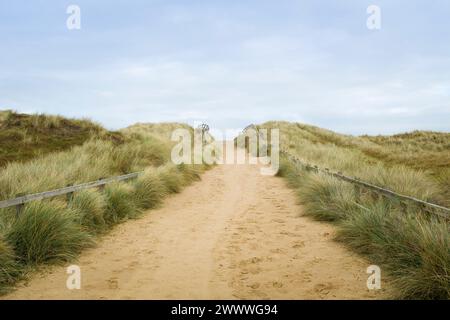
<point x="359" y="184"/>
<point x="68" y="191"/>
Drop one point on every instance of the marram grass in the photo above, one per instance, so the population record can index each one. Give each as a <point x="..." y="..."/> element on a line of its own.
<point x="90" y="206"/>
<point x="149" y="189"/>
<point x="56" y="231"/>
<point x="413" y="248"/>
<point x="47" y="232"/>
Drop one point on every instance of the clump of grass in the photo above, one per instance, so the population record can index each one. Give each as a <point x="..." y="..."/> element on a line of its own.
<point x="9" y="268"/>
<point x="47" y="232"/>
<point x="149" y="190"/>
<point x="412" y="248"/>
<point x="289" y="171"/>
<point x="24" y="137"/>
<point x="6" y="115"/>
<point x="443" y="179"/>
<point x="171" y="177"/>
<point x="402" y="180"/>
<point x="120" y="203"/>
<point x="190" y="173"/>
<point x="326" y="198"/>
<point x="91" y="208"/>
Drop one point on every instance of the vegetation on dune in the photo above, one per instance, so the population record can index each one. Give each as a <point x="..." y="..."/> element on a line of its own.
<point x="47" y="232"/>
<point x="160" y="130"/>
<point x="54" y="231"/>
<point x="24" y="137"/>
<point x="9" y="267"/>
<point x="90" y="206"/>
<point x="414" y="249"/>
<point x="149" y="189"/>
<point x="412" y="246"/>
<point x="120" y="203"/>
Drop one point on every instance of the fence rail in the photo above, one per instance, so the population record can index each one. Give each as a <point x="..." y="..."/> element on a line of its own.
<point x="429" y="207"/>
<point x="69" y="190"/>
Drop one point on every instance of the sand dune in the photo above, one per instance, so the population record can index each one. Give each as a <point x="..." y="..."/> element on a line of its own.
<point x="234" y="235"/>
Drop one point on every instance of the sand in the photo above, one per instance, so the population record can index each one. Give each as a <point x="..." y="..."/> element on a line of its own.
<point x="236" y="234"/>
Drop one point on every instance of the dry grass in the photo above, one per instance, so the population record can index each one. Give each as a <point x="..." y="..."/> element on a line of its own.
<point x="413" y="247"/>
<point x="24" y="137"/>
<point x="55" y="231"/>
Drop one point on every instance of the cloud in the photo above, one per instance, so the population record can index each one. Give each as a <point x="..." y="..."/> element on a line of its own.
<point x="231" y="65"/>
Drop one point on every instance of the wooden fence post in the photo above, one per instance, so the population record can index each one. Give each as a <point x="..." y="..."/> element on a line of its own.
<point x="102" y="187"/>
<point x="20" y="206"/>
<point x="404" y="206"/>
<point x="357" y="192"/>
<point x="69" y="196"/>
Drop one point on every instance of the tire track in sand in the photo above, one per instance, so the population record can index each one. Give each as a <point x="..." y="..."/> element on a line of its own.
<point x="234" y="235"/>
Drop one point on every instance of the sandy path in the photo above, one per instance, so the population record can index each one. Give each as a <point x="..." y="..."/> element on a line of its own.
<point x="234" y="235"/>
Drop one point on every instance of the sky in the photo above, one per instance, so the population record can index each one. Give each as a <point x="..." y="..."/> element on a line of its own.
<point x="231" y="63"/>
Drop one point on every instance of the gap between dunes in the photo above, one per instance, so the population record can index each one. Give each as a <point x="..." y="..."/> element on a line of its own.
<point x="234" y="235"/>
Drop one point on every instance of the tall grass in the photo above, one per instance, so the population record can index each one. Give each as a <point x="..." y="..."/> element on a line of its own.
<point x="9" y="267"/>
<point x="120" y="203"/>
<point x="171" y="177"/>
<point x="90" y="206"/>
<point x="94" y="160"/>
<point x="149" y="189"/>
<point x="24" y="137"/>
<point x="413" y="247"/>
<point x="55" y="231"/>
<point x="47" y="232"/>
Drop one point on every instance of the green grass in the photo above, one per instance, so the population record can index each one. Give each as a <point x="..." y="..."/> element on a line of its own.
<point x="120" y="203"/>
<point x="171" y="177"/>
<point x="9" y="268"/>
<point x="90" y="206"/>
<point x="56" y="231"/>
<point x="47" y="232"/>
<point x="149" y="189"/>
<point x="412" y="247"/>
<point x="24" y="137"/>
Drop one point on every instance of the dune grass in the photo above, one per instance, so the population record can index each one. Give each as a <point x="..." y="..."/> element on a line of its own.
<point x="47" y="232"/>
<point x="56" y="231"/>
<point x="9" y="267"/>
<point x="149" y="189"/>
<point x="24" y="137"/>
<point x="120" y="203"/>
<point x="90" y="206"/>
<point x="412" y="246"/>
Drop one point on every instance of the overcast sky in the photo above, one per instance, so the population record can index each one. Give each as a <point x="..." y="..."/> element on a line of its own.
<point x="231" y="63"/>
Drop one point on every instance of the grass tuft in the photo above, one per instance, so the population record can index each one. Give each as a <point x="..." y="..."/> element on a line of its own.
<point x="120" y="203"/>
<point x="91" y="208"/>
<point x="171" y="177"/>
<point x="47" y="232"/>
<point x="51" y="231"/>
<point x="326" y="198"/>
<point x="410" y="245"/>
<point x="149" y="190"/>
<point x="9" y="268"/>
<point x="413" y="249"/>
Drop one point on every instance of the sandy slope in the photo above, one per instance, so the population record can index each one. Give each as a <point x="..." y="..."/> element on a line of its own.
<point x="234" y="235"/>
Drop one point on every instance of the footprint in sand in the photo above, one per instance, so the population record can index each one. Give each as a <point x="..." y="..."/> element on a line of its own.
<point x="277" y="284"/>
<point x="324" y="288"/>
<point x="113" y="283"/>
<point x="254" y="285"/>
<point x="298" y="244"/>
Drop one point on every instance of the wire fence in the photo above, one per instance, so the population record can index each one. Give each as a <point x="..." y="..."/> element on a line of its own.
<point x="380" y="191"/>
